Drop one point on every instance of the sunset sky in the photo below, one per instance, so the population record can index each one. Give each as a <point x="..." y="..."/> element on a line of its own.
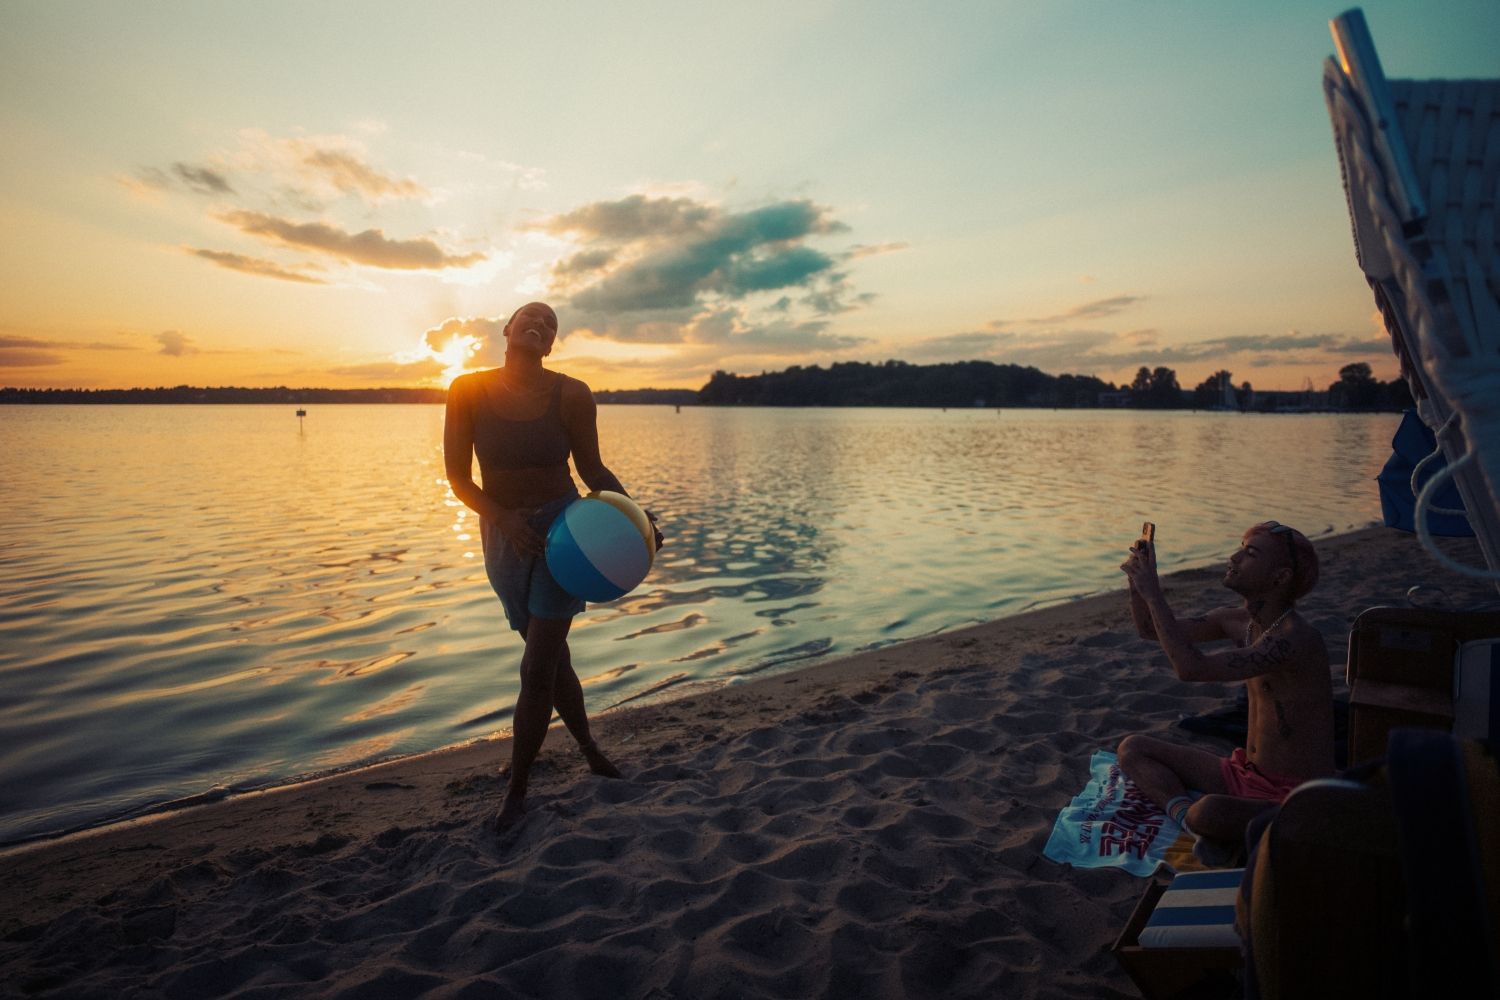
<point x="358" y="194"/>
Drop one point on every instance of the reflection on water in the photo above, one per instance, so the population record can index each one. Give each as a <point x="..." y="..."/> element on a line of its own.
<point x="203" y="596"/>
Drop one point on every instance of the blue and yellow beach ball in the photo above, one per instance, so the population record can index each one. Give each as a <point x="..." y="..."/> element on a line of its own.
<point x="601" y="546"/>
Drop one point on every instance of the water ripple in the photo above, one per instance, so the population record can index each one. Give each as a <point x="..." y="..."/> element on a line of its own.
<point x="200" y="598"/>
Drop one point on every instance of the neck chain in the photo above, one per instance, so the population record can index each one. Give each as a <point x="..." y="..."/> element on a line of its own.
<point x="1263" y="631"/>
<point x="515" y="383"/>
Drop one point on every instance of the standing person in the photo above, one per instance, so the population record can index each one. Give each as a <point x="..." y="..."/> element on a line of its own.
<point x="522" y="422"/>
<point x="1282" y="660"/>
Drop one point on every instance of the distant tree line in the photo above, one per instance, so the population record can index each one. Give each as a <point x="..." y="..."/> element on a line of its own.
<point x="850" y="383"/>
<point x="984" y="383"/>
<point x="223" y="394"/>
<point x="897" y="383"/>
<point x="1356" y="389"/>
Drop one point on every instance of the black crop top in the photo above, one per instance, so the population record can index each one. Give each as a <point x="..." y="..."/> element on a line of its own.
<point x="501" y="444"/>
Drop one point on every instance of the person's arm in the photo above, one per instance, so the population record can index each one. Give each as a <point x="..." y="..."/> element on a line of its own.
<point x="1273" y="652"/>
<point x="458" y="462"/>
<point x="581" y="417"/>
<point x="1206" y="629"/>
<point x="1270" y="654"/>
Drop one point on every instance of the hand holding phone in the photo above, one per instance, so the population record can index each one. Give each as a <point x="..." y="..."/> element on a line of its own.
<point x="1148" y="535"/>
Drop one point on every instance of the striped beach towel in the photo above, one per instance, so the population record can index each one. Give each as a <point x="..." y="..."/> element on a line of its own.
<point x="1111" y="824"/>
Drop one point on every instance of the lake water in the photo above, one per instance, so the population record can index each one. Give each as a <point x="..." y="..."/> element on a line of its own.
<point x="202" y="598"/>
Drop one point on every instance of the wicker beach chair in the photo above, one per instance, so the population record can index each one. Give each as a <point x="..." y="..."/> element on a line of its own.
<point x="1385" y="887"/>
<point x="1421" y="168"/>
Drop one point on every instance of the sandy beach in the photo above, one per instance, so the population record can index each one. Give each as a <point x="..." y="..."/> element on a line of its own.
<point x="869" y="827"/>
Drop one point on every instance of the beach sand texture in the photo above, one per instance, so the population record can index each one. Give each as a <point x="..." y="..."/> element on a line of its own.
<point x="867" y="827"/>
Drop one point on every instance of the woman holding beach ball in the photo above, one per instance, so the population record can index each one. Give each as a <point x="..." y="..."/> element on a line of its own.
<point x="522" y="422"/>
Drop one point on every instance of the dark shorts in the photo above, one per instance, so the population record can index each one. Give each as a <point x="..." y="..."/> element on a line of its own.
<point x="524" y="583"/>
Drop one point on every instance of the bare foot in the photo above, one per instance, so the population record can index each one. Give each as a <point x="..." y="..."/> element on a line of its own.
<point x="511" y="813"/>
<point x="598" y="763"/>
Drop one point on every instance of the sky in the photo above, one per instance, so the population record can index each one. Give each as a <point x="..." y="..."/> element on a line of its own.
<point x="359" y="194"/>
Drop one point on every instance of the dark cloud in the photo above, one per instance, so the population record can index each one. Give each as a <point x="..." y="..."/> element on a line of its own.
<point x="1215" y="347"/>
<point x="675" y="253"/>
<point x="204" y="180"/>
<point x="835" y="296"/>
<point x="1055" y="351"/>
<point x="1377" y="347"/>
<point x="583" y="262"/>
<point x="175" y="344"/>
<point x="779" y="269"/>
<point x="370" y="247"/>
<point x="1097" y="309"/>
<point x="634" y="218"/>
<point x="351" y="175"/>
<point x="26" y="357"/>
<point x="29" y="352"/>
<point x="254" y="265"/>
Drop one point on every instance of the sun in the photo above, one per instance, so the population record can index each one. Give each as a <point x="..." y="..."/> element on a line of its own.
<point x="454" y="355"/>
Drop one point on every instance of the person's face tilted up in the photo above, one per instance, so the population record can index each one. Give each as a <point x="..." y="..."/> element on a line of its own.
<point x="533" y="327"/>
<point x="1272" y="559"/>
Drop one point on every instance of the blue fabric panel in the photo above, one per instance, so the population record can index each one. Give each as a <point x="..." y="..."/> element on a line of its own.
<point x="1191" y="916"/>
<point x="1222" y="878"/>
<point x="1413" y="442"/>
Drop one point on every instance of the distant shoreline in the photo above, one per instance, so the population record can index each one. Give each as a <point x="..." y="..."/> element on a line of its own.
<point x="189" y="395"/>
<point x="197" y="395"/>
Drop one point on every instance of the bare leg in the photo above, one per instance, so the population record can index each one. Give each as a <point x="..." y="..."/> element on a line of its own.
<point x="567" y="698"/>
<point x="1165" y="771"/>
<point x="1225" y="817"/>
<point x="546" y="640"/>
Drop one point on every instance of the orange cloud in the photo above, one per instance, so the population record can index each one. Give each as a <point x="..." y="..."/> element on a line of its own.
<point x="371" y="247"/>
<point x="254" y="265"/>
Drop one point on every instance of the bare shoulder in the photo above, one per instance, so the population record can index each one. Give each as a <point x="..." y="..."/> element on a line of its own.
<point x="577" y="402"/>
<point x="1230" y="621"/>
<point x="460" y="391"/>
<point x="465" y="385"/>
<point x="1306" y="640"/>
<point x="575" y="389"/>
<point x="577" y="397"/>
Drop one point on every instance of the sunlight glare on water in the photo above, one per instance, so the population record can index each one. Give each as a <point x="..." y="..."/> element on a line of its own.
<point x="196" y="597"/>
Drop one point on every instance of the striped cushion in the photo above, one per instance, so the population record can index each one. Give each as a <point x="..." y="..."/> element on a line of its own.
<point x="1196" y="911"/>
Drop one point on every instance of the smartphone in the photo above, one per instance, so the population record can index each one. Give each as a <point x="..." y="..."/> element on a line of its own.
<point x="1148" y="535"/>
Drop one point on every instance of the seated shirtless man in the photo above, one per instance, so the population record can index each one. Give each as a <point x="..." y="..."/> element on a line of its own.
<point x="1281" y="659"/>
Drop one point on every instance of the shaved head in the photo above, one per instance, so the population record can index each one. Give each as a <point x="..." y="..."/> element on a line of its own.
<point x="531" y="308"/>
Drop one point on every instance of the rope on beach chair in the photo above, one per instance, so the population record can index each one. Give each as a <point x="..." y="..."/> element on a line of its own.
<point x="1412" y="249"/>
<point x="1425" y="506"/>
<point x="1441" y="435"/>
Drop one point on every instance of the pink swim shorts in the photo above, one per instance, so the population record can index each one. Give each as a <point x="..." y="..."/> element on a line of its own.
<point x="1244" y="780"/>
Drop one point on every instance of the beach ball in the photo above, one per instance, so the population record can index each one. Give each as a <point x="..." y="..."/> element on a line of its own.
<point x="601" y="546"/>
